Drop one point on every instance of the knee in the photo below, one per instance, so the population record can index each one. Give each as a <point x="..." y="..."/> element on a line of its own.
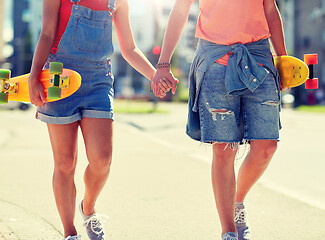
<point x="266" y="151"/>
<point x="223" y="156"/>
<point x="65" y="163"/>
<point x="270" y="149"/>
<point x="101" y="162"/>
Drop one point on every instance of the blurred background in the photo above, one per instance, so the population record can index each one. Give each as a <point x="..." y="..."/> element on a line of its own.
<point x="20" y="25"/>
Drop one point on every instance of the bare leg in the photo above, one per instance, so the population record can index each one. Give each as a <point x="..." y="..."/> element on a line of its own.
<point x="64" y="145"/>
<point x="224" y="185"/>
<point x="254" y="166"/>
<point x="98" y="137"/>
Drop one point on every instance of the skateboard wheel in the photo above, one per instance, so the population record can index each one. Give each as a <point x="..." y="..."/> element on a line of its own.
<point x="4" y="98"/>
<point x="4" y="74"/>
<point x="311" y="83"/>
<point x="56" y="68"/>
<point x="310" y="59"/>
<point x="54" y="93"/>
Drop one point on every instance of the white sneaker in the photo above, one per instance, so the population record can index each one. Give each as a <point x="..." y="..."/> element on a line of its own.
<point x="93" y="225"/>
<point x="75" y="237"/>
<point x="241" y="223"/>
<point x="229" y="236"/>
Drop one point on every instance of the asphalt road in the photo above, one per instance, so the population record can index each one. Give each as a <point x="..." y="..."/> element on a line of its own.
<point x="159" y="187"/>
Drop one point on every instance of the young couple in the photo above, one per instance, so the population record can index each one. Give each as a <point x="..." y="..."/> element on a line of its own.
<point x="234" y="95"/>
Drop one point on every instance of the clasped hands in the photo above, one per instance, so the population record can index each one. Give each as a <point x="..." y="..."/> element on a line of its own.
<point x="162" y="82"/>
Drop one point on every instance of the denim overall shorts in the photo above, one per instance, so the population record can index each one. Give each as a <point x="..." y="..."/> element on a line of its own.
<point x="86" y="47"/>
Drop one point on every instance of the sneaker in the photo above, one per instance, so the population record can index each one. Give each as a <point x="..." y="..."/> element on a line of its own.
<point x="230" y="236"/>
<point x="75" y="237"/>
<point x="93" y="225"/>
<point x="241" y="222"/>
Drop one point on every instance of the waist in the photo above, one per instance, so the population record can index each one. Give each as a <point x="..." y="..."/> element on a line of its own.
<point x="80" y="63"/>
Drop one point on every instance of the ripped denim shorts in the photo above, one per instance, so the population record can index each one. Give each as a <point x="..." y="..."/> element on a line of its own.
<point x="240" y="116"/>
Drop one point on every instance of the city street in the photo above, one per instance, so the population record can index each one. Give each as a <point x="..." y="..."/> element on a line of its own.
<point x="159" y="187"/>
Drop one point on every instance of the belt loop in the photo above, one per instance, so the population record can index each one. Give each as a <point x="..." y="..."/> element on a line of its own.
<point x="75" y="1"/>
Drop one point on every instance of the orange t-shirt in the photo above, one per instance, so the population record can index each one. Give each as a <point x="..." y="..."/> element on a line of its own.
<point x="231" y="21"/>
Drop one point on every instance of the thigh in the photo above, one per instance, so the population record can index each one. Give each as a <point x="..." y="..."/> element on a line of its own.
<point x="98" y="137"/>
<point x="64" y="138"/>
<point x="261" y="111"/>
<point x="218" y="110"/>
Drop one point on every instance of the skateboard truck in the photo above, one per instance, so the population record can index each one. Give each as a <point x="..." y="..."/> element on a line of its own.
<point x="5" y="87"/>
<point x="10" y="88"/>
<point x="311" y="60"/>
<point x="63" y="82"/>
<point x="56" y="69"/>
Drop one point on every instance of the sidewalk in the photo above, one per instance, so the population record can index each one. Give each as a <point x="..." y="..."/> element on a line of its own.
<point x="6" y="233"/>
<point x="158" y="187"/>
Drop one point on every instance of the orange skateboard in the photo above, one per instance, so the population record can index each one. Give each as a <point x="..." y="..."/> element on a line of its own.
<point x="294" y="72"/>
<point x="57" y="81"/>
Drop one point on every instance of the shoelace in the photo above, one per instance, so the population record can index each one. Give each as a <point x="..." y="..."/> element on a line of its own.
<point x="240" y="217"/>
<point x="95" y="223"/>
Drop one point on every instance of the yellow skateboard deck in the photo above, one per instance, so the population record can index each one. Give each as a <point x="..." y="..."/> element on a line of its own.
<point x="64" y="82"/>
<point x="293" y="72"/>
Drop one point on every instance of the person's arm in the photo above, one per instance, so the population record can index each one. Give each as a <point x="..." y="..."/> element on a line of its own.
<point x="129" y="50"/>
<point x="49" y="24"/>
<point x="176" y="23"/>
<point x="275" y="26"/>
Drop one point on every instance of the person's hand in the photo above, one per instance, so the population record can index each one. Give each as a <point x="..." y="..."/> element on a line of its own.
<point x="162" y="82"/>
<point x="36" y="92"/>
<point x="164" y="86"/>
<point x="281" y="86"/>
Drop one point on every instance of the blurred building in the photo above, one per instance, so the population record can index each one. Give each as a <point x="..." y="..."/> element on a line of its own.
<point x="18" y="46"/>
<point x="35" y="25"/>
<point x="6" y="32"/>
<point x="287" y="10"/>
<point x="310" y="38"/>
<point x="2" y="43"/>
<point x="305" y="33"/>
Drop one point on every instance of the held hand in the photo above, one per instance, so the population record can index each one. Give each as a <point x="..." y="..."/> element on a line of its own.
<point x="162" y="82"/>
<point x="274" y="56"/>
<point x="36" y="92"/>
<point x="281" y="87"/>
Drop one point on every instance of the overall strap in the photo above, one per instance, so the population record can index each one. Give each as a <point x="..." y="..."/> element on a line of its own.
<point x="111" y="5"/>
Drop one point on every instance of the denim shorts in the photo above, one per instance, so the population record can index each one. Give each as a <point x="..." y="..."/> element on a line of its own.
<point x="94" y="99"/>
<point x="245" y="115"/>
